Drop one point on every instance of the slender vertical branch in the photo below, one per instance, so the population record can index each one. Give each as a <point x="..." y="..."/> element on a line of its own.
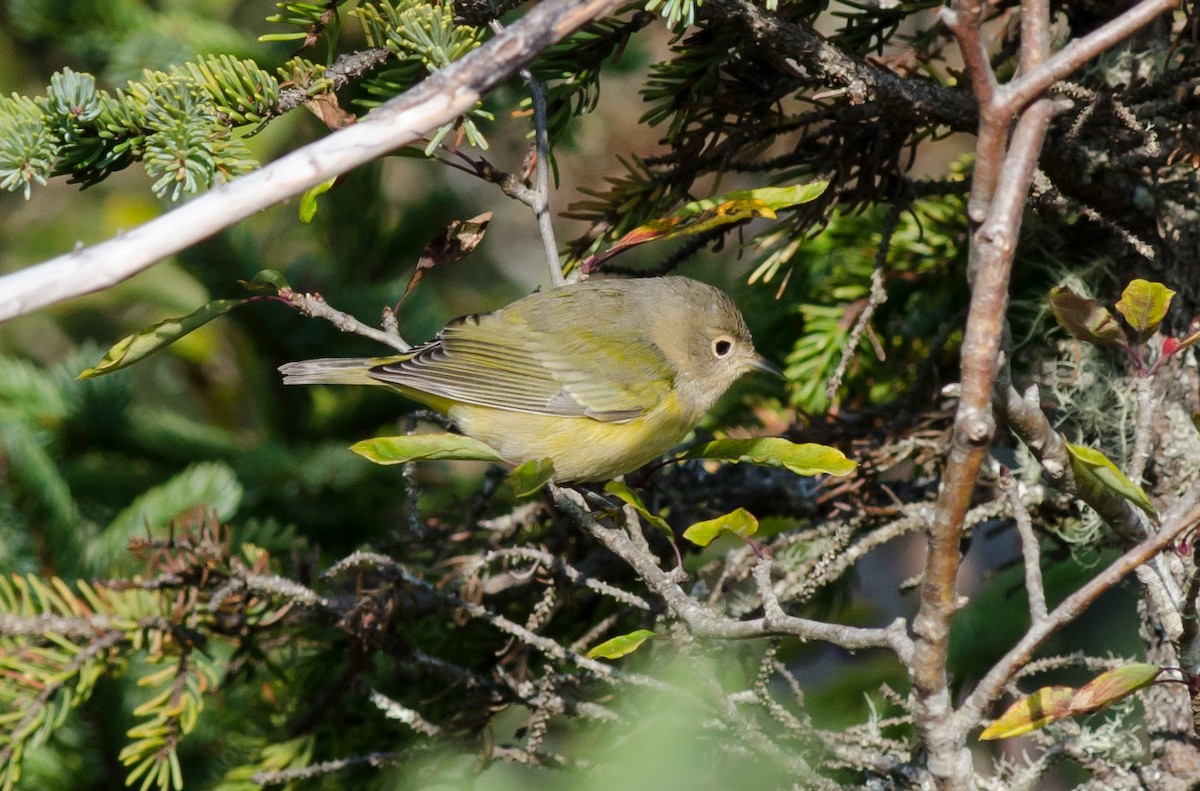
<point x="538" y="199"/>
<point x="963" y="18"/>
<point x="1030" y="550"/>
<point x="1035" y="33"/>
<point x="1142" y="431"/>
<point x="992" y="249"/>
<point x="541" y="138"/>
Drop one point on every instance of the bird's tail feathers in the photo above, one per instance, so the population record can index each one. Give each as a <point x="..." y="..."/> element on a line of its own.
<point x="330" y="371"/>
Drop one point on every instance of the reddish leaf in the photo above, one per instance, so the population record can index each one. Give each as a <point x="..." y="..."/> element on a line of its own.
<point x="1085" y="319"/>
<point x="455" y="242"/>
<point x="1111" y="686"/>
<point x="1172" y="345"/>
<point x="325" y="106"/>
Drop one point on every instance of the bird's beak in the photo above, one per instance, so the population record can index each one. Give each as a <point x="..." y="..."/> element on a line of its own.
<point x="760" y="363"/>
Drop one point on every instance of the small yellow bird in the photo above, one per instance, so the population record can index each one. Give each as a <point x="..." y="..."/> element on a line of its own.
<point x="600" y="377"/>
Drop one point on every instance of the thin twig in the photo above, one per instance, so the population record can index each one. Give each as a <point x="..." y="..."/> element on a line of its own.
<point x="348" y="67"/>
<point x="397" y="711"/>
<point x="538" y="198"/>
<point x="702" y="623"/>
<point x="877" y="297"/>
<point x="546" y="645"/>
<point x="315" y="305"/>
<point x="1030" y="548"/>
<point x="963" y="18"/>
<point x="282" y="776"/>
<point x="541" y="209"/>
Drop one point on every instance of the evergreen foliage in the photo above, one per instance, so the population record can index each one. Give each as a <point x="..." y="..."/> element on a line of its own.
<point x="201" y="584"/>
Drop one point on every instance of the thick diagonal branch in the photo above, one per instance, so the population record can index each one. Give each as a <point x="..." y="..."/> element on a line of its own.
<point x="438" y="100"/>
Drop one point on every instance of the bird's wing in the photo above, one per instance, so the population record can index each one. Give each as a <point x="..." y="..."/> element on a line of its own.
<point x="511" y="360"/>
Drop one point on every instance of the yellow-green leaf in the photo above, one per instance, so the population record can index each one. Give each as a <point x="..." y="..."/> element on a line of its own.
<point x="1085" y="319"/>
<point x="622" y="490"/>
<point x="1144" y="305"/>
<point x="1031" y="712"/>
<point x="144" y="343"/>
<point x="801" y="458"/>
<point x="308" y="201"/>
<point x="1092" y="465"/>
<point x="529" y="477"/>
<point x="739" y="523"/>
<point x="423" y="447"/>
<point x="621" y="645"/>
<point x="1050" y="704"/>
<point x="692" y="220"/>
<point x="704" y="215"/>
<point x="267" y="280"/>
<point x="774" y="198"/>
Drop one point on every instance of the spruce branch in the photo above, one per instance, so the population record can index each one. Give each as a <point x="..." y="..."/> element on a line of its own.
<point x="438" y="100"/>
<point x="538" y="198"/>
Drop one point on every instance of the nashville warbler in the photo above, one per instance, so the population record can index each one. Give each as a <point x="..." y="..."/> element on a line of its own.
<point x="600" y="377"/>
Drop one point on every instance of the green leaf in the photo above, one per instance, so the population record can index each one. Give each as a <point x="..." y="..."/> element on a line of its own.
<point x="801" y="458"/>
<point x="531" y="476"/>
<point x="144" y="343"/>
<point x="1092" y="465"/>
<point x="1085" y="319"/>
<point x="308" y="201"/>
<point x="774" y="198"/>
<point x="740" y="523"/>
<point x="621" y="645"/>
<point x="1144" y="305"/>
<point x="424" y="447"/>
<point x="267" y="280"/>
<point x="622" y="490"/>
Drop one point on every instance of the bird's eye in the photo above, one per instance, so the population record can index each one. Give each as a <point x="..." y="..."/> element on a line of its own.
<point x="722" y="347"/>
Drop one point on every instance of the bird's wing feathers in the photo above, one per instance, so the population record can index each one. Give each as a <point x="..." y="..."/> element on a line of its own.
<point x="506" y="360"/>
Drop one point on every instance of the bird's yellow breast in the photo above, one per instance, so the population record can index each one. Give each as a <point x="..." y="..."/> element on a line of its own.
<point x="582" y="448"/>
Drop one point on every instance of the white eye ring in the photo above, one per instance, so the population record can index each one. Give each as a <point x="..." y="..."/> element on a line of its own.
<point x="722" y="346"/>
